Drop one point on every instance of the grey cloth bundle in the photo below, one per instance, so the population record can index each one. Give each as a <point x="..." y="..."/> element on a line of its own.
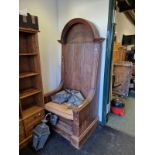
<point x="71" y="96"/>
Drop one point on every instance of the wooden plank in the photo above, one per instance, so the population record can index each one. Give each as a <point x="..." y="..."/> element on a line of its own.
<point x="21" y="131"/>
<point x="60" y="110"/>
<point x="28" y="30"/>
<point x="64" y="127"/>
<point x="25" y="142"/>
<point x="32" y="110"/>
<point x="62" y="133"/>
<point x="27" y="74"/>
<point x="27" y="54"/>
<point x="29" y="92"/>
<point x="78" y="141"/>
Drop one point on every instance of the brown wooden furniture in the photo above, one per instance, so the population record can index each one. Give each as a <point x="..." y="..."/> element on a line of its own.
<point x="81" y="49"/>
<point x="119" y="53"/>
<point x="31" y="105"/>
<point x="123" y="74"/>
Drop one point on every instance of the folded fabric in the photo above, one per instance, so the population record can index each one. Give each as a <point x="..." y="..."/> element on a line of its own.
<point x="60" y="97"/>
<point x="76" y="97"/>
<point x="71" y="96"/>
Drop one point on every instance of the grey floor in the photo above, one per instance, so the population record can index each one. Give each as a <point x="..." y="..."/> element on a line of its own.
<point x="125" y="124"/>
<point x="104" y="141"/>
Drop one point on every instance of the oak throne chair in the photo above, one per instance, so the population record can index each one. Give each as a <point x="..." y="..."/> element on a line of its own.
<point x="81" y="52"/>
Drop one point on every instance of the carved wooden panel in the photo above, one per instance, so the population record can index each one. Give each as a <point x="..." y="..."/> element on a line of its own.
<point x="80" y="59"/>
<point x="123" y="73"/>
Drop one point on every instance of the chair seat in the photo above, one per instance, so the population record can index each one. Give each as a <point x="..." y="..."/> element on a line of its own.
<point x="60" y="110"/>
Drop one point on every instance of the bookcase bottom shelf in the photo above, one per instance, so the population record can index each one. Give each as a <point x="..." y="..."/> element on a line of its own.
<point x="31" y="117"/>
<point x="24" y="142"/>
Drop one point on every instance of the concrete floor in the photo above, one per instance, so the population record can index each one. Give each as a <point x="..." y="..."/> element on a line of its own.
<point x="125" y="124"/>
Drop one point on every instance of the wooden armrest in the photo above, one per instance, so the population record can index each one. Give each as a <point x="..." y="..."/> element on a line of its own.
<point x="60" y="110"/>
<point x="85" y="102"/>
<point x="47" y="95"/>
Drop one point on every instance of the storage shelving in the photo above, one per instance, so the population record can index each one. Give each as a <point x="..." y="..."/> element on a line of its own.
<point x="31" y="102"/>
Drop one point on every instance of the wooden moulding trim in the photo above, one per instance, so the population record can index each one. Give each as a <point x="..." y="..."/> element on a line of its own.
<point x="79" y="21"/>
<point x="28" y="30"/>
<point x="62" y="133"/>
<point x="28" y="54"/>
<point x="99" y="40"/>
<point x="25" y="141"/>
<point x="84" y="134"/>
<point x="124" y="64"/>
<point x="96" y="40"/>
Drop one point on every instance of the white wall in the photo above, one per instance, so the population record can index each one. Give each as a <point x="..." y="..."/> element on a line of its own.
<point x="46" y="10"/>
<point x="123" y="26"/>
<point x="95" y="11"/>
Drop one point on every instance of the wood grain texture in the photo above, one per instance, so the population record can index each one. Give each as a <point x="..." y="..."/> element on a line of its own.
<point x="32" y="121"/>
<point x="119" y="53"/>
<point x="60" y="110"/>
<point x="24" y="142"/>
<point x="28" y="30"/>
<point x="27" y="74"/>
<point x="31" y="100"/>
<point x="81" y="53"/>
<point x="123" y="73"/>
<point x="29" y="92"/>
<point x="78" y="141"/>
<point x="21" y="131"/>
<point x="31" y="111"/>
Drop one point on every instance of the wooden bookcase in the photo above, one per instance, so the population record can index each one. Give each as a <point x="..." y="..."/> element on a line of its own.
<point x="31" y="102"/>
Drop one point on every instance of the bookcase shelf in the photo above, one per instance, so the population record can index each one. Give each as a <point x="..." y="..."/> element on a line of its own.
<point x="31" y="101"/>
<point x="27" y="54"/>
<point x="27" y="74"/>
<point x="28" y="30"/>
<point x="29" y="92"/>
